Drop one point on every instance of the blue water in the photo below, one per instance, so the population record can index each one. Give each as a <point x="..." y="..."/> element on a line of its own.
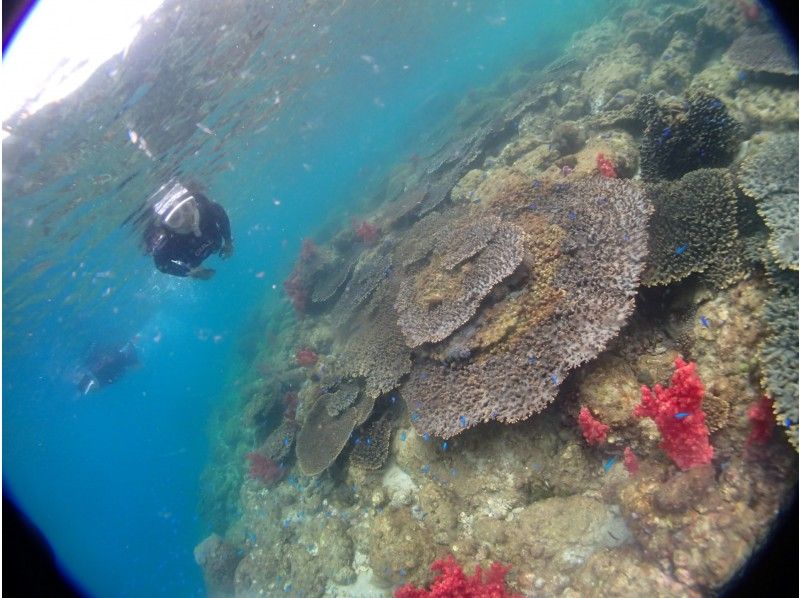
<point x="112" y="478"/>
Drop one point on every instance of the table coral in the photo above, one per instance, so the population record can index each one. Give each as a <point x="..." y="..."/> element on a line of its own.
<point x="769" y="175"/>
<point x="678" y="413"/>
<point x="596" y="273"/>
<point x="765" y="52"/>
<point x="694" y="229"/>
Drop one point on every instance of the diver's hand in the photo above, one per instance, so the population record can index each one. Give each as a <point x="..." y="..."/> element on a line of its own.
<point x="226" y="251"/>
<point x="201" y="273"/>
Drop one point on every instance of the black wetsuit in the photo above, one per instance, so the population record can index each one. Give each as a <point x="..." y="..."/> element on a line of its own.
<point x="178" y="254"/>
<point x="106" y="365"/>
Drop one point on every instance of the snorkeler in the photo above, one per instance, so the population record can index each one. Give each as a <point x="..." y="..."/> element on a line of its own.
<point x="106" y="365"/>
<point x="184" y="228"/>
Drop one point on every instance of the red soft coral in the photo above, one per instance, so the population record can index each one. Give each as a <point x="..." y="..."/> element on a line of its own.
<point x="630" y="460"/>
<point x="263" y="468"/>
<point x="308" y="250"/>
<point x="678" y="414"/>
<point x="451" y="582"/>
<point x="762" y="420"/>
<point x="606" y="167"/>
<point x="368" y="233"/>
<point x="297" y="292"/>
<point x="594" y="431"/>
<point x="306" y="357"/>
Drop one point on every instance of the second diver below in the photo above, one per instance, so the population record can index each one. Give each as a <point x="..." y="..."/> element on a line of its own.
<point x="184" y="228"/>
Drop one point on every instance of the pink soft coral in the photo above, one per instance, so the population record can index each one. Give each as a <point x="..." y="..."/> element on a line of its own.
<point x="451" y="582"/>
<point x="678" y="414"/>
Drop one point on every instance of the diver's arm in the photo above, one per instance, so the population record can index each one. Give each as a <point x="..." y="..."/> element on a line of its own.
<point x="169" y="266"/>
<point x="223" y="225"/>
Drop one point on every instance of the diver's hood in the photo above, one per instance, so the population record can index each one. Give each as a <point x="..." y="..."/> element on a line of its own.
<point x="178" y="211"/>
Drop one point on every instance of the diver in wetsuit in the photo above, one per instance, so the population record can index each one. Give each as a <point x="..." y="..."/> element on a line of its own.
<point x="185" y="227"/>
<point x="106" y="365"/>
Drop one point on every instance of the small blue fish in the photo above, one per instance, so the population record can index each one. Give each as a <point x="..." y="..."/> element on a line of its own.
<point x="425" y="468"/>
<point x="369" y="441"/>
<point x="626" y="237"/>
<point x="788" y="422"/>
<point x="554" y="379"/>
<point x="462" y="420"/>
<point x="704" y="321"/>
<point x="532" y="207"/>
<point x="666" y="133"/>
<point x="402" y="436"/>
<point x="393" y="399"/>
<point x="357" y="440"/>
<point x="286" y="441"/>
<point x="682" y="415"/>
<point x="426" y="437"/>
<point x="444" y="445"/>
<point x="414" y="416"/>
<point x="681" y="249"/>
<point x="609" y="464"/>
<point x="572" y="215"/>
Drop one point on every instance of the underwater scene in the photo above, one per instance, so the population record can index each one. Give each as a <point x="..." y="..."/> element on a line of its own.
<point x="363" y="298"/>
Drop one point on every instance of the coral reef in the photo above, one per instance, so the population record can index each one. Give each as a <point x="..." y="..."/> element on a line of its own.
<point x="498" y="277"/>
<point x="769" y="175"/>
<point x="678" y="413"/>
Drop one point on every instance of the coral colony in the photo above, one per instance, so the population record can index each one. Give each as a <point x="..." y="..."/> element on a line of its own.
<point x="593" y="430"/>
<point x="678" y="414"/>
<point x="452" y="582"/>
